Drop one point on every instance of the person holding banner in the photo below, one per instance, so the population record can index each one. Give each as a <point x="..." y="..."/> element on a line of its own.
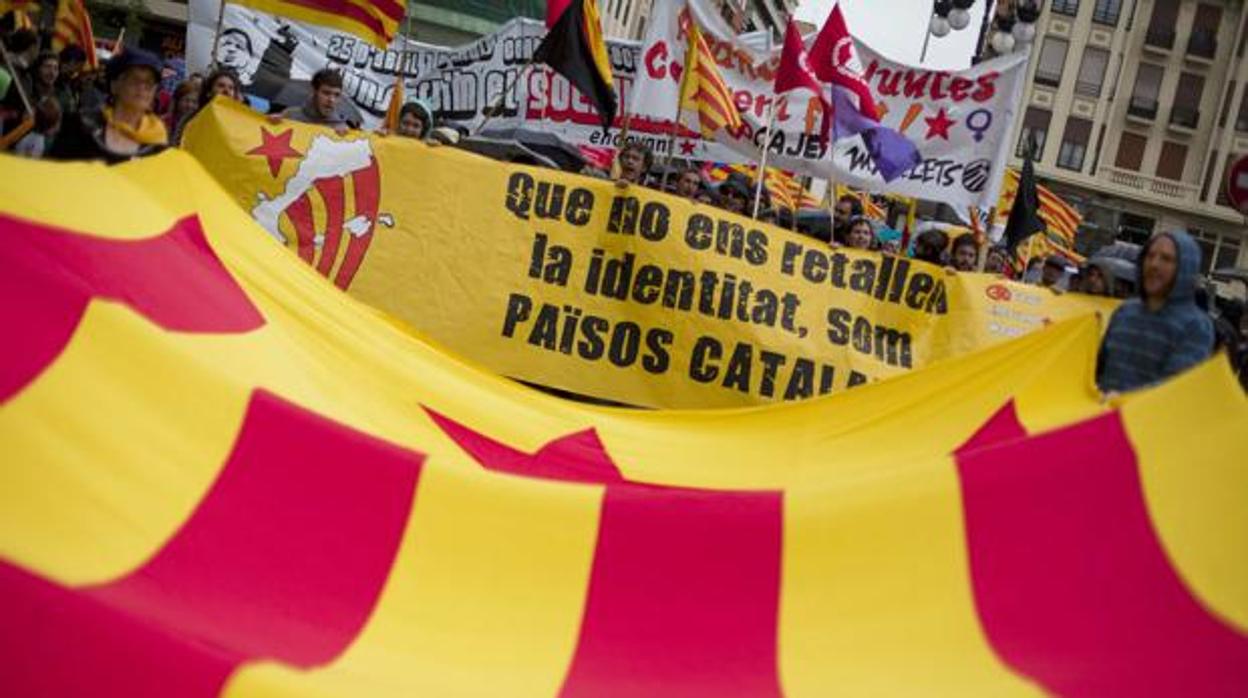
<point x="324" y="107"/>
<point x="860" y="234"/>
<point x="635" y="160"/>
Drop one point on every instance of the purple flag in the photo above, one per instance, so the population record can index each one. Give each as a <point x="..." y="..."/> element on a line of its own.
<point x="892" y="152"/>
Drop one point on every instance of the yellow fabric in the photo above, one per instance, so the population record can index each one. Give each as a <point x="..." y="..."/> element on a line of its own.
<point x="112" y="446"/>
<point x="150" y="131"/>
<point x="452" y="254"/>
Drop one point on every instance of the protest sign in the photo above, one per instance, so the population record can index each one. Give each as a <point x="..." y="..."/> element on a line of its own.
<point x="625" y="294"/>
<point x="960" y="121"/>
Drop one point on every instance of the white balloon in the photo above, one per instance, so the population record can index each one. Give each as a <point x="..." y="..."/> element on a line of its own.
<point x="939" y="26"/>
<point x="1024" y="32"/>
<point x="1002" y="43"/>
<point x="959" y="19"/>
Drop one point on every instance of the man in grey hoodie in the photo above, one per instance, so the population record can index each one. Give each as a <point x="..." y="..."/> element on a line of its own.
<point x="1162" y="332"/>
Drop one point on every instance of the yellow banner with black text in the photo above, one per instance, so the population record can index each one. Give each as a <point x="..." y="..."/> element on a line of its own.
<point x="625" y="294"/>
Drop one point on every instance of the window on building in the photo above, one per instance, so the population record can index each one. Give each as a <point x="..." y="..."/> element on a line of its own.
<point x="1228" y="253"/>
<point x="1107" y="11"/>
<point x="1035" y="128"/>
<point x="1241" y="120"/>
<point x="1130" y="151"/>
<point x="1162" y="23"/>
<point x="1208" y="243"/>
<point x="1052" y="60"/>
<point x="1092" y="72"/>
<point x="1135" y="228"/>
<point x="1187" y="94"/>
<point x="1147" y="88"/>
<point x="1203" y="40"/>
<point x="1172" y="161"/>
<point x="1066" y="7"/>
<point x="1074" y="143"/>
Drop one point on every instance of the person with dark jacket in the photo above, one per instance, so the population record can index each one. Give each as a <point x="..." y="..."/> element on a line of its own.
<point x="1162" y="332"/>
<point x="125" y="127"/>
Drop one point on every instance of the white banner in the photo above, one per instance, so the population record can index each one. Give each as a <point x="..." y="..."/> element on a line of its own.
<point x="959" y="120"/>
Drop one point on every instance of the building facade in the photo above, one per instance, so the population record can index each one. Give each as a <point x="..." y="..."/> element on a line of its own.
<point x="627" y="19"/>
<point x="1137" y="108"/>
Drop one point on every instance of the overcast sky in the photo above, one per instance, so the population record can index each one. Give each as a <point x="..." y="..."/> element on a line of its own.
<point x="896" y="29"/>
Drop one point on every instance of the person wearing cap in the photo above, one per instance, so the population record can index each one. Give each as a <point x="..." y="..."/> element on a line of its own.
<point x="1162" y="332"/>
<point x="734" y="194"/>
<point x="125" y="127"/>
<point x="1053" y="273"/>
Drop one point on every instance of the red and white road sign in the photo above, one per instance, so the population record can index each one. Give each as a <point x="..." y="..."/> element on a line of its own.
<point x="1237" y="184"/>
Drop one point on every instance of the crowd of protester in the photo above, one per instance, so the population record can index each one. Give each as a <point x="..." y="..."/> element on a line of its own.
<point x="138" y="104"/>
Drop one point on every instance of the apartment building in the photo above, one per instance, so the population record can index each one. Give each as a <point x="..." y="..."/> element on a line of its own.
<point x="1137" y="108"/>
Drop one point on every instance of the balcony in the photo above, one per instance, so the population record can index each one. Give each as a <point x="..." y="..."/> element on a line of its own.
<point x="1169" y="191"/>
<point x="1159" y="39"/>
<point x="1202" y="44"/>
<point x="1142" y="108"/>
<point x="1184" y="117"/>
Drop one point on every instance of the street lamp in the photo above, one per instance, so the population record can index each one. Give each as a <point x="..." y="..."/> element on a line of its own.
<point x="947" y="16"/>
<point x="1014" y="27"/>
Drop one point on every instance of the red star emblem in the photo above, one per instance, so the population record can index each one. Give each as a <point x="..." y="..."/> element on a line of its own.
<point x="687" y="147"/>
<point x="276" y="148"/>
<point x="938" y="125"/>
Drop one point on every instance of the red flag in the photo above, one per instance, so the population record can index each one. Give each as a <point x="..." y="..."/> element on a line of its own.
<point x="555" y="8"/>
<point x="795" y="71"/>
<point x="835" y="60"/>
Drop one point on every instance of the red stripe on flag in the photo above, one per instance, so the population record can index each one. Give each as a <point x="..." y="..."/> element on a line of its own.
<point x="683" y="596"/>
<point x="174" y="279"/>
<point x="283" y="559"/>
<point x="300" y="213"/>
<point x="356" y="13"/>
<point x="1073" y="588"/>
<point x="684" y="593"/>
<point x="332" y="193"/>
<point x="367" y="186"/>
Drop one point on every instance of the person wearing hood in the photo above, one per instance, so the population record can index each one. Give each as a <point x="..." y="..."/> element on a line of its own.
<point x="1162" y="332"/>
<point x="125" y="128"/>
<point x="1097" y="279"/>
<point x="415" y="121"/>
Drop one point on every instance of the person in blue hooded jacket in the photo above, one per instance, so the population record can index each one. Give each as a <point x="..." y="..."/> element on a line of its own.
<point x="1162" y="332"/>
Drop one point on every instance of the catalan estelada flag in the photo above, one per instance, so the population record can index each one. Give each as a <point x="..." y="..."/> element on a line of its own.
<point x="73" y="28"/>
<point x="375" y="21"/>
<point x="574" y="48"/>
<point x="224" y="477"/>
<point x="704" y="96"/>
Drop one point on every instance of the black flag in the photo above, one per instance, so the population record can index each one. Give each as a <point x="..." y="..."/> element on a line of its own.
<point x="1024" y="220"/>
<point x="575" y="49"/>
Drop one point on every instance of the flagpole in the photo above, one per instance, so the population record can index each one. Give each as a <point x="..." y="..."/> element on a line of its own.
<point x="502" y="97"/>
<point x="762" y="164"/>
<point x="216" y="35"/>
<point x="671" y="133"/>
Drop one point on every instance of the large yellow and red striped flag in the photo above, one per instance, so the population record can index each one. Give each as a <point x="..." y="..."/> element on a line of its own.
<point x="73" y="28"/>
<point x="1061" y="218"/>
<point x="704" y="96"/>
<point x="375" y="21"/>
<point x="222" y="476"/>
